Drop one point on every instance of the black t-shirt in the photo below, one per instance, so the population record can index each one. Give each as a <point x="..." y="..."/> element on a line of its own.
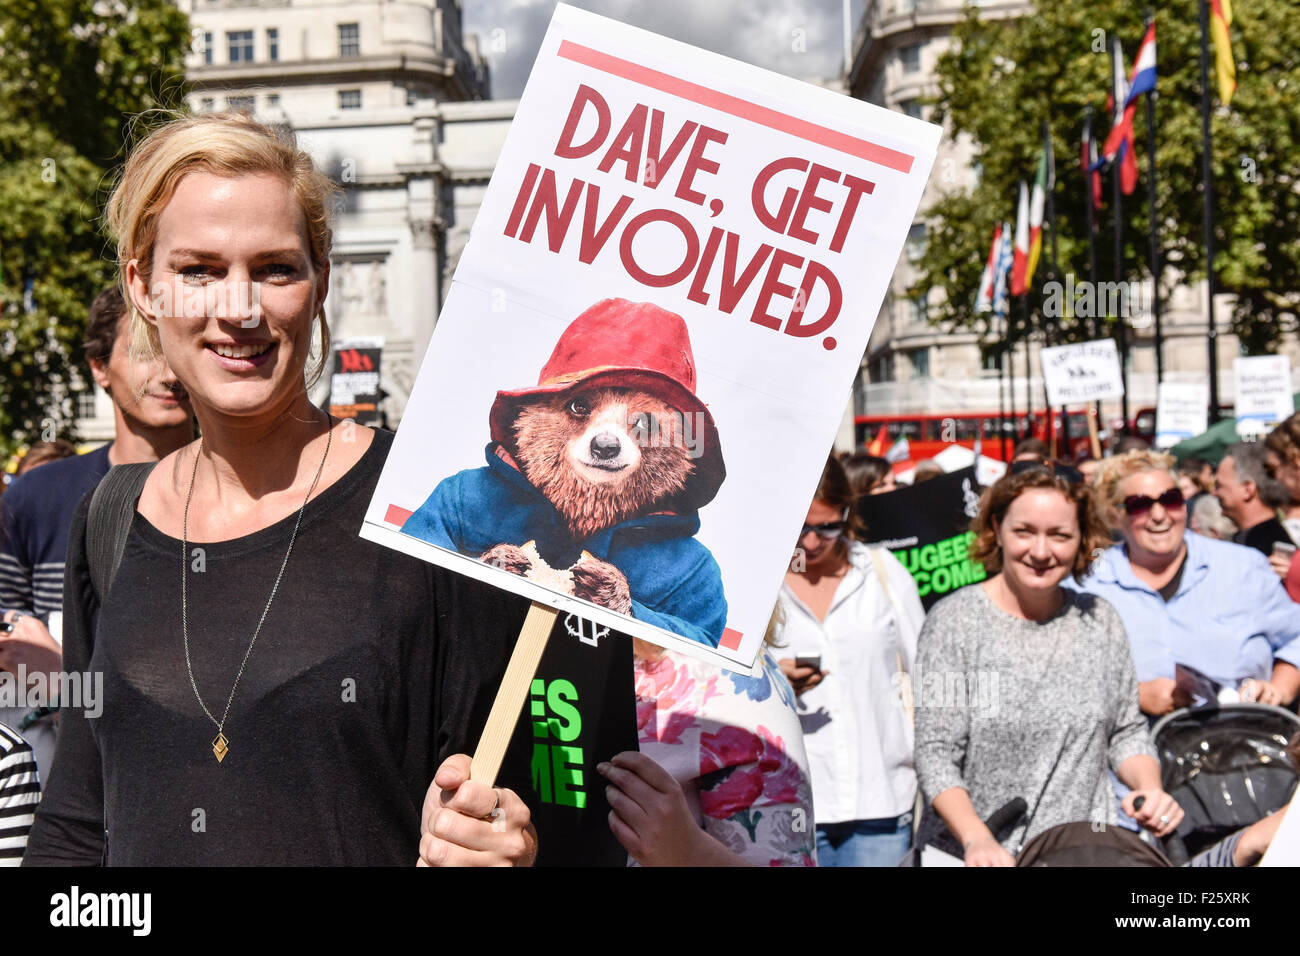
<point x="371" y="668"/>
<point x="581" y="710"/>
<point x="1262" y="536"/>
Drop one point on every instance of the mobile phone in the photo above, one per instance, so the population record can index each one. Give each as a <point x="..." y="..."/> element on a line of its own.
<point x="1283" y="549"/>
<point x="809" y="660"/>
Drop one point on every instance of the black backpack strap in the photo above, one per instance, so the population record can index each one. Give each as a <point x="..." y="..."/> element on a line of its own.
<point x="112" y="506"/>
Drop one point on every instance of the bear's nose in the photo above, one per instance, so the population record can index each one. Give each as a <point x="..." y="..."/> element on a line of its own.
<point x="605" y="446"/>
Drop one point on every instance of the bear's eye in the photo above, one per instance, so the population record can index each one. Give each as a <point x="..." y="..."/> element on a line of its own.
<point x="579" y="407"/>
<point x="643" y="422"/>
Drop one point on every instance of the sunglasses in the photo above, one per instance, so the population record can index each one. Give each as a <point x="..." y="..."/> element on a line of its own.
<point x="829" y="530"/>
<point x="1171" y="500"/>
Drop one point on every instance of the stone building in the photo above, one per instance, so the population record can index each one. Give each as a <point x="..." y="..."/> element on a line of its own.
<point x="389" y="97"/>
<point x="911" y="365"/>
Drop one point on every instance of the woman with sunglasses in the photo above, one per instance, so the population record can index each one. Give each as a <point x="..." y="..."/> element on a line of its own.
<point x="850" y="618"/>
<point x="1186" y="599"/>
<point x="1026" y="689"/>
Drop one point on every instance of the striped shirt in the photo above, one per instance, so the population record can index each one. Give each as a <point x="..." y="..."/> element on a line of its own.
<point x="20" y="791"/>
<point x="37" y="513"/>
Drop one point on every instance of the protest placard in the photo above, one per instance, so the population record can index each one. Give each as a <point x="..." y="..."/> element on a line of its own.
<point x="1181" y="411"/>
<point x="1263" y="392"/>
<point x="354" y="382"/>
<point x="653" y="330"/>
<point x="926" y="526"/>
<point x="1082" y="372"/>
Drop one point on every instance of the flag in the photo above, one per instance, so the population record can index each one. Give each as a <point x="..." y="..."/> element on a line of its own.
<point x="1144" y="67"/>
<point x="984" y="300"/>
<point x="1119" y="144"/>
<point x="877" y="445"/>
<point x="1091" y="164"/>
<point x="1037" y="200"/>
<point x="1020" y="260"/>
<point x="1006" y="256"/>
<point x="1225" y="67"/>
<point x="899" y="451"/>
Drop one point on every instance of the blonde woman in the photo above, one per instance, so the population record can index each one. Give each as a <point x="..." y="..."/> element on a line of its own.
<point x="1187" y="599"/>
<point x="294" y="689"/>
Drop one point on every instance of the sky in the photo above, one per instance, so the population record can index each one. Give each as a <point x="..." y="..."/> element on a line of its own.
<point x="800" y="38"/>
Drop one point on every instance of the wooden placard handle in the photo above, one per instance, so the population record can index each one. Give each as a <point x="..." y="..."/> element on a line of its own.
<point x="512" y="693"/>
<point x="1092" y="432"/>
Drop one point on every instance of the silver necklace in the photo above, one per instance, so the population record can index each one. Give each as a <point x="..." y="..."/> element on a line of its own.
<point x="221" y="745"/>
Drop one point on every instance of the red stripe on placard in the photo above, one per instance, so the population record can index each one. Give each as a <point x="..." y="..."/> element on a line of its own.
<point x="774" y="119"/>
<point x="730" y="639"/>
<point x="397" y="516"/>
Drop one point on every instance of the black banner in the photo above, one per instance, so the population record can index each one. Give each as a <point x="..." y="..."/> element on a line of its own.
<point x="926" y="527"/>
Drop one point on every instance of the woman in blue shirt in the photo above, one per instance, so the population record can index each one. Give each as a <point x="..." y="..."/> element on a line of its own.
<point x="1187" y="599"/>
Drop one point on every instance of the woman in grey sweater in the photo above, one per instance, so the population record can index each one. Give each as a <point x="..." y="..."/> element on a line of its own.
<point x="1026" y="689"/>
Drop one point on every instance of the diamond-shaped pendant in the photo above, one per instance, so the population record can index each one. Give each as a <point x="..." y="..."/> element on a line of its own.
<point x="220" y="747"/>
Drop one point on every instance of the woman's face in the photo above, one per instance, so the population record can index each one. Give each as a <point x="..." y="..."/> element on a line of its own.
<point x="233" y="293"/>
<point x="1158" y="531"/>
<point x="819" y="539"/>
<point x="1039" y="537"/>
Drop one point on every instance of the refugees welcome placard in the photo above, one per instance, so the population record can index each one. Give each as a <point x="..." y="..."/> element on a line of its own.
<point x="651" y="336"/>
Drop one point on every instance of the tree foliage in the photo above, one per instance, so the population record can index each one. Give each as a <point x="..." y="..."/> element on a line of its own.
<point x="1002" y="79"/>
<point x="72" y="75"/>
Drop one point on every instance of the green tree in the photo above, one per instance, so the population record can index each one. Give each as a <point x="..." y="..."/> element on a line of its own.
<point x="1002" y="78"/>
<point x="73" y="74"/>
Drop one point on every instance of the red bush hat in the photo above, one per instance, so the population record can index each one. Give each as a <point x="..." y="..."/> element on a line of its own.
<point x="622" y="344"/>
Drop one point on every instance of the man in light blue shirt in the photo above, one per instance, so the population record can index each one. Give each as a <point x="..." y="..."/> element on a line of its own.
<point x="1228" y="616"/>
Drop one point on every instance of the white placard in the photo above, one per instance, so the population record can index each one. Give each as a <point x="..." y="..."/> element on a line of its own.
<point x="1182" y="411"/>
<point x="669" y="258"/>
<point x="1263" y="392"/>
<point x="1081" y="373"/>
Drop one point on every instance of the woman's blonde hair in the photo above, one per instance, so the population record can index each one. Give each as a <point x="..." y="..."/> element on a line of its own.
<point x="1113" y="471"/>
<point x="223" y="144"/>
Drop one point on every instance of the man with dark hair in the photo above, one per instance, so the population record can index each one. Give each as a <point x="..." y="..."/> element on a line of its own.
<point x="152" y="419"/>
<point x="1030" y="449"/>
<point x="1250" y="497"/>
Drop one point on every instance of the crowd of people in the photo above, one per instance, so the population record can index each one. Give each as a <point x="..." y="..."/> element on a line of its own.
<point x="1106" y="580"/>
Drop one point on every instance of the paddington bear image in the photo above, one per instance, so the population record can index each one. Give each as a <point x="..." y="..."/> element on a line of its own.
<point x="596" y="475"/>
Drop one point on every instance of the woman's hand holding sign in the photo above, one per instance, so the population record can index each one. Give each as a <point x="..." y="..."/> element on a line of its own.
<point x="468" y="823"/>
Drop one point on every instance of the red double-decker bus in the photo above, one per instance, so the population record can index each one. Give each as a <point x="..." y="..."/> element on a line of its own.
<point x="930" y="433"/>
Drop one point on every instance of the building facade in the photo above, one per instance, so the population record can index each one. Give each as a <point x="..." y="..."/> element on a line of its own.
<point x="389" y="98"/>
<point x="912" y="366"/>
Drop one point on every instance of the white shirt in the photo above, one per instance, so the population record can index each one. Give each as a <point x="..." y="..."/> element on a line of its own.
<point x="856" y="731"/>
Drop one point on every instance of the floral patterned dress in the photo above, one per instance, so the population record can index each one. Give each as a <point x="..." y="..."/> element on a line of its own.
<point x="734" y="744"/>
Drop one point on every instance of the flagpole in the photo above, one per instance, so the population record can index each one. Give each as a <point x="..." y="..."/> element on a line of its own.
<point x="1094" y="322"/>
<point x="1208" y="220"/>
<point x="1155" y="224"/>
<point x="1029" y="400"/>
<point x="1048" y="337"/>
<point x="1117" y="65"/>
<point x="1002" y="398"/>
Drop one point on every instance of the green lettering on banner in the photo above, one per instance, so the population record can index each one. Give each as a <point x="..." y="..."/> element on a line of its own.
<point x="941" y="580"/>
<point x="542" y="772"/>
<point x="908" y="559"/>
<point x="922" y="583"/>
<point x="945" y="550"/>
<point x="537" y="706"/>
<point x="929" y="557"/>
<point x="567" y="723"/>
<point x="962" y="574"/>
<point x="568" y="776"/>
